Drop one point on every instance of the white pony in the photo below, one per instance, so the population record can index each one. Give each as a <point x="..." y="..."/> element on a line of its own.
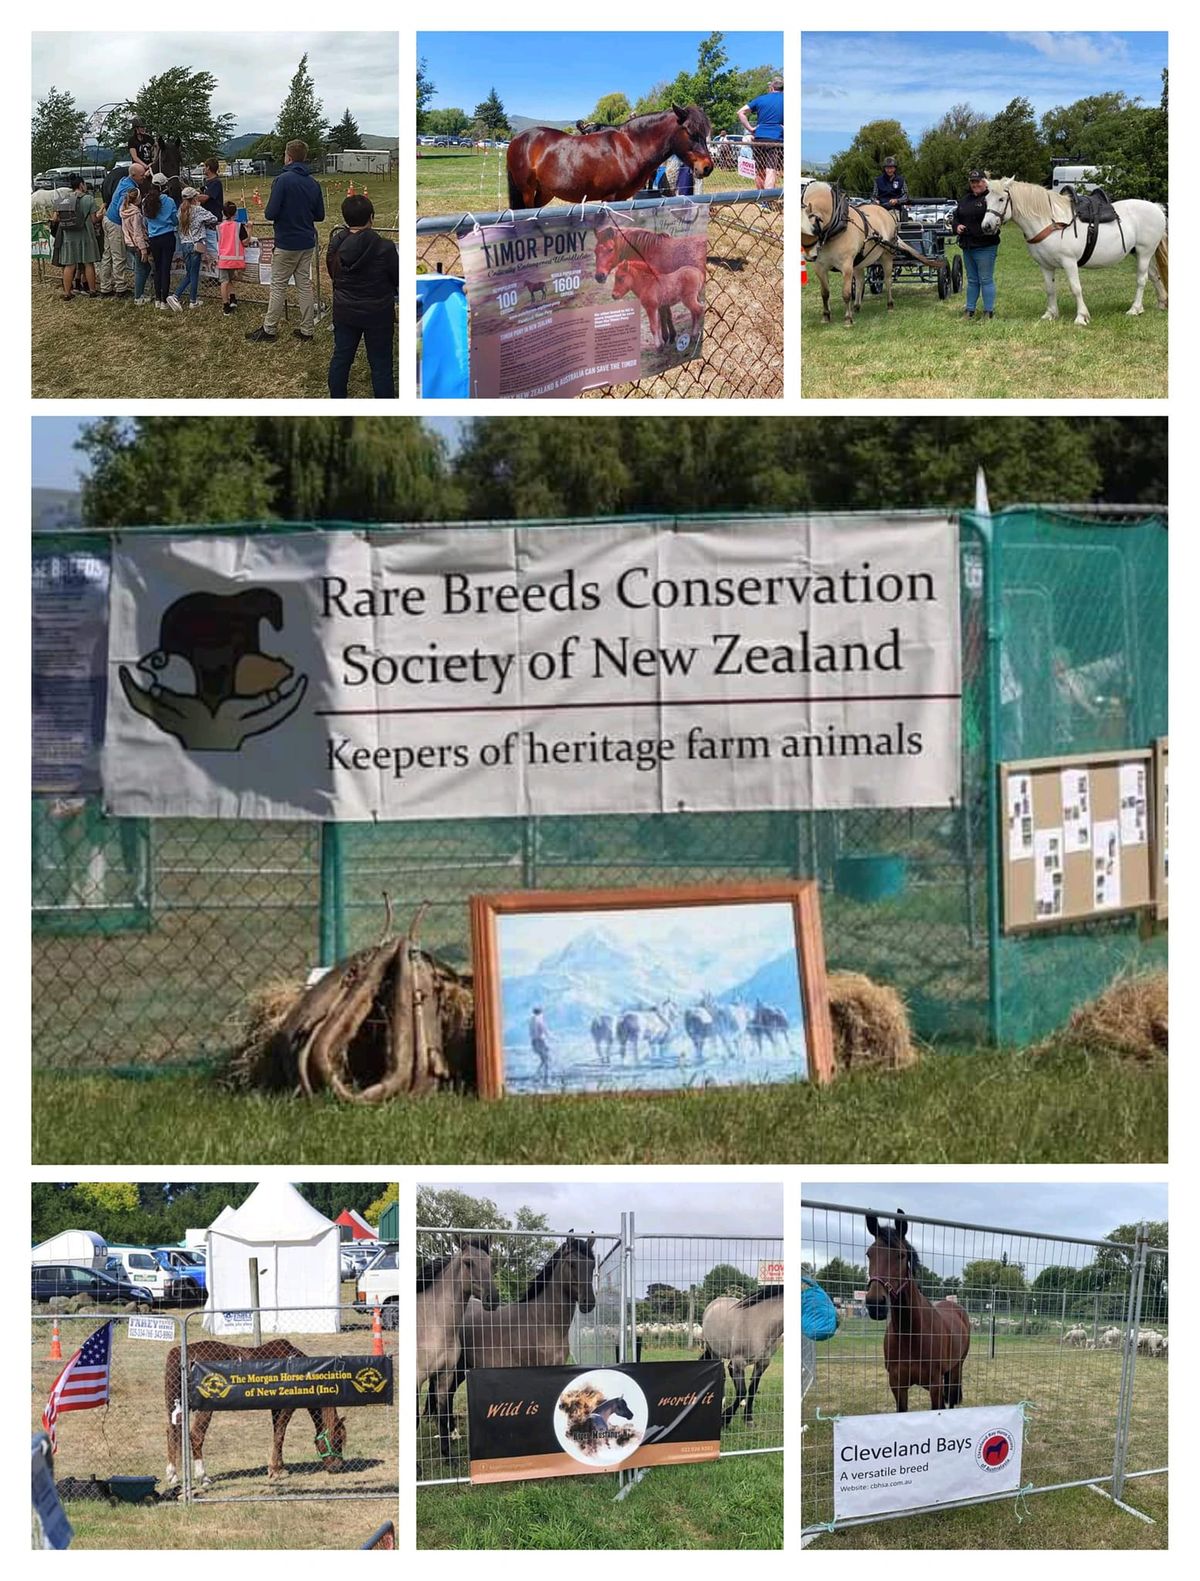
<point x="1057" y="240"/>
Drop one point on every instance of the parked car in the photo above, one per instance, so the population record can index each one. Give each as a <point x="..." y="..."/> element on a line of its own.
<point x="379" y="1286"/>
<point x="139" y="1265"/>
<point x="186" y="1270"/>
<point x="65" y="1279"/>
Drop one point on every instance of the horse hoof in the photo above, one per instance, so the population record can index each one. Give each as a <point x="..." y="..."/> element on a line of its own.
<point x="1134" y="312"/>
<point x="1083" y="322"/>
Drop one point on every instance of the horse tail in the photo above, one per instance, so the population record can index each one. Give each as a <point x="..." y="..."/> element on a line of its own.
<point x="516" y="198"/>
<point x="1160" y="262"/>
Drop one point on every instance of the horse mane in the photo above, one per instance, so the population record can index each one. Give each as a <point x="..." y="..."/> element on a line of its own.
<point x="1051" y="208"/>
<point x="694" y="111"/>
<point x="573" y="1244"/>
<point x="428" y="1272"/>
<point x="763" y="1293"/>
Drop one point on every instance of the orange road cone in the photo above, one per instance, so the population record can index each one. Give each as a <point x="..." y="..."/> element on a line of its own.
<point x="366" y="194"/>
<point x="350" y="190"/>
<point x="55" y="1344"/>
<point x="256" y="199"/>
<point x="376" y="1334"/>
<point x="803" y="270"/>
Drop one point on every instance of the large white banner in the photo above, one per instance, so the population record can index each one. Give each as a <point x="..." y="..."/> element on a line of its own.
<point x="913" y="1459"/>
<point x="459" y="672"/>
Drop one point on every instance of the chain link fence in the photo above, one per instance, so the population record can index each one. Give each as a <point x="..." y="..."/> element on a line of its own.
<point x="150" y="938"/>
<point x="1073" y="1329"/>
<point x="742" y="355"/>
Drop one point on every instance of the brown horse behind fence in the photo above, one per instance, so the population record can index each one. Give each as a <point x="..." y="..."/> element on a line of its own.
<point x="330" y="1436"/>
<point x="926" y="1342"/>
<point x="605" y="166"/>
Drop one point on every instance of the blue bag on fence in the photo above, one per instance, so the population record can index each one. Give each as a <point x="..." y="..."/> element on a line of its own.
<point x="818" y="1315"/>
<point x="442" y="336"/>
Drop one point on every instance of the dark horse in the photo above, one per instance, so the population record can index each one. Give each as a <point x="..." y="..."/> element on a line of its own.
<point x="597" y="1426"/>
<point x="330" y="1436"/>
<point x="605" y="166"/>
<point x="926" y="1342"/>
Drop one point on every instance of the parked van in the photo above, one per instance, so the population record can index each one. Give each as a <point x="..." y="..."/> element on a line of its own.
<point x="1082" y="177"/>
<point x="379" y="1286"/>
<point x="139" y="1265"/>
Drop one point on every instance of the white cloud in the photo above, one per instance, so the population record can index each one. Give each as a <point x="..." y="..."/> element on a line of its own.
<point x="1077" y="49"/>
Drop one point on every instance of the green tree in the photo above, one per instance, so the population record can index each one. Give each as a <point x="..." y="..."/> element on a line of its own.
<point x="612" y="109"/>
<point x="946" y="152"/>
<point x="301" y="115"/>
<point x="1010" y="145"/>
<point x="725" y="1279"/>
<point x="425" y="92"/>
<point x="374" y="1210"/>
<point x="841" y="1278"/>
<point x="856" y="167"/>
<point x="514" y="1262"/>
<point x="332" y="1198"/>
<point x="714" y="85"/>
<point x="1064" y="127"/>
<point x="57" y="131"/>
<point x="110" y="1196"/>
<point x="345" y="134"/>
<point x="492" y="116"/>
<point x="448" y="122"/>
<point x="176" y="103"/>
<point x="986" y="1274"/>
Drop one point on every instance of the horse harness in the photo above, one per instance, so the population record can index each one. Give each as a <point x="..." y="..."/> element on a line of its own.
<point x="1093" y="208"/>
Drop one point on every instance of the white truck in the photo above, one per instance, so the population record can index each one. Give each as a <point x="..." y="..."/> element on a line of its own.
<point x="379" y="1286"/>
<point x="80" y="1248"/>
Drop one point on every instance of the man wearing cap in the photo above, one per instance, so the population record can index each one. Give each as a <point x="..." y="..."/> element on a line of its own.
<point x="978" y="246"/>
<point x="890" y="188"/>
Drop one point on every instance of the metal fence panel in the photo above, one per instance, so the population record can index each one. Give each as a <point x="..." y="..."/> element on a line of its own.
<point x="1055" y="1324"/>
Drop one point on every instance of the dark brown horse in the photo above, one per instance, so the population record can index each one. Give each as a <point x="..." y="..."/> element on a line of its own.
<point x="926" y="1342"/>
<point x="605" y="166"/>
<point x="330" y="1436"/>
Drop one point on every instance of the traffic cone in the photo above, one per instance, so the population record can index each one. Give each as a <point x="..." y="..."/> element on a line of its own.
<point x="55" y="1343"/>
<point x="803" y="270"/>
<point x="366" y="194"/>
<point x="376" y="1334"/>
<point x="256" y="199"/>
<point x="350" y="190"/>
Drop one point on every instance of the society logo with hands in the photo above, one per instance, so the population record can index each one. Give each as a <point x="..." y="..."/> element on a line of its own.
<point x="208" y="683"/>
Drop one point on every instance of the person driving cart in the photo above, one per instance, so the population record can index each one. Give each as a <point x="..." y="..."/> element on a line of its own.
<point x="890" y="188"/>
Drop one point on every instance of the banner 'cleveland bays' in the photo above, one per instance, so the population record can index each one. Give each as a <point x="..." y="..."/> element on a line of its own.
<point x="494" y="672"/>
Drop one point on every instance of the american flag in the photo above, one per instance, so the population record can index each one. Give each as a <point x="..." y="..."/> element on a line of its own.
<point x="83" y="1382"/>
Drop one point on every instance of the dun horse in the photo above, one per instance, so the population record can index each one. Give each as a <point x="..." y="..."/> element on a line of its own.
<point x="330" y="1438"/>
<point x="444" y="1289"/>
<point x="838" y="235"/>
<point x="606" y="166"/>
<point x="744" y="1332"/>
<point x="926" y="1342"/>
<point x="531" y="1332"/>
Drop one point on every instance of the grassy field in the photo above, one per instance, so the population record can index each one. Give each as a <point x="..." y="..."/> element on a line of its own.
<point x="128" y="1437"/>
<point x="475" y="180"/>
<point x="1069" y="1435"/>
<point x="91" y="349"/>
<point x="925" y="347"/>
<point x="723" y="1504"/>
<point x="992" y="1106"/>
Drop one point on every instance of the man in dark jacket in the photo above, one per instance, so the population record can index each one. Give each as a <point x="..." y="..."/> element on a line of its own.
<point x="978" y="246"/>
<point x="890" y="188"/>
<point x="294" y="207"/>
<point x="365" y="270"/>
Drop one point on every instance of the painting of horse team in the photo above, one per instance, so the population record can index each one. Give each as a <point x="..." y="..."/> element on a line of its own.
<point x="661" y="998"/>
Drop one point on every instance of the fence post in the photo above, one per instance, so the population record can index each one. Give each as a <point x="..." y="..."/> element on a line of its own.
<point x="992" y="1349"/>
<point x="993" y="618"/>
<point x="332" y="941"/>
<point x="255" y="1309"/>
<point x="1133" y="1320"/>
<point x="185" y="1441"/>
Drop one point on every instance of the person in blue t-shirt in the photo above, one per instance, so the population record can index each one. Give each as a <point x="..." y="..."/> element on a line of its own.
<point x="767" y="110"/>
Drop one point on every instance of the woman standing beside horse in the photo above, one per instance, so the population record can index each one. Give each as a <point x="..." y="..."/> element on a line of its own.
<point x="926" y="1342"/>
<point x="979" y="246"/>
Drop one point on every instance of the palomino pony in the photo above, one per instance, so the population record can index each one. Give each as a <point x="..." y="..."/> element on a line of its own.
<point x="744" y="1332"/>
<point x="926" y="1342"/>
<point x="444" y="1287"/>
<point x="531" y="1332"/>
<point x="1058" y="240"/>
<point x="838" y="235"/>
<point x="330" y="1438"/>
<point x="606" y="166"/>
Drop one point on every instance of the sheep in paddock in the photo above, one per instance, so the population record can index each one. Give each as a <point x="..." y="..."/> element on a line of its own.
<point x="1110" y="1339"/>
<point x="1075" y="1336"/>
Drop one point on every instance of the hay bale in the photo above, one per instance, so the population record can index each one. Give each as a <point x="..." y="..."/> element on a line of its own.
<point x="870" y="1025"/>
<point x="1128" y="1019"/>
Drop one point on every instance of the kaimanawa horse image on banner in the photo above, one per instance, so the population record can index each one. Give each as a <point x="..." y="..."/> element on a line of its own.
<point x="1059" y="238"/>
<point x="842" y="236"/>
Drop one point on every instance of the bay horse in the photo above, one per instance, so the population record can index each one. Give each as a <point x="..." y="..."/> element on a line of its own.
<point x="1057" y="240"/>
<point x="330" y="1437"/>
<point x="926" y="1342"/>
<point x="664" y="253"/>
<point x="605" y="166"/>
<point x="531" y="1332"/>
<point x="445" y="1286"/>
<point x="744" y="1332"/>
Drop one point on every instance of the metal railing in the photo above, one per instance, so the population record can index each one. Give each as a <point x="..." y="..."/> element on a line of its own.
<point x="1057" y="1324"/>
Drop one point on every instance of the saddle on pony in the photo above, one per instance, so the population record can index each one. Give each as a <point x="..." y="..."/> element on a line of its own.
<point x="1093" y="209"/>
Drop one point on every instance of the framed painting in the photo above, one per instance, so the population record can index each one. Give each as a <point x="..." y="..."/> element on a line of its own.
<point x="650" y="990"/>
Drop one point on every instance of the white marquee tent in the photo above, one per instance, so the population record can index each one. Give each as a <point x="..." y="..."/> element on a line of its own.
<point x="299" y="1265"/>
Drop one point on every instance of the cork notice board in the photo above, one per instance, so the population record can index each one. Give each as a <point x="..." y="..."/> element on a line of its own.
<point x="1161" y="861"/>
<point x="1075" y="837"/>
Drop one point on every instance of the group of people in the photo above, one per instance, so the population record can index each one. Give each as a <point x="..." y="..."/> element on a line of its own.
<point x="979" y="247"/>
<point x="124" y="240"/>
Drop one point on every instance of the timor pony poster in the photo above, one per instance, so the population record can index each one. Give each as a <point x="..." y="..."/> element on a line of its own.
<point x="561" y="303"/>
<point x="501" y="672"/>
<point x="568" y="1421"/>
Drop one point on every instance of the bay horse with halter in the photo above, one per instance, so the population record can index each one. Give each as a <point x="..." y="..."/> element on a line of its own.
<point x="605" y="166"/>
<point x="926" y="1342"/>
<point x="330" y="1437"/>
<point x="838" y="235"/>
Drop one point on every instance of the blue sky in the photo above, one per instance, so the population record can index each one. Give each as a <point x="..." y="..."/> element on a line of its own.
<point x="560" y="76"/>
<point x="744" y="1207"/>
<point x="848" y="79"/>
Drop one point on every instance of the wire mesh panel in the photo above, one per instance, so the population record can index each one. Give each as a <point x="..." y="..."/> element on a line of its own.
<point x="505" y="1298"/>
<point x="742" y="354"/>
<point x="324" y="1452"/>
<point x="1146" y="1440"/>
<point x="978" y="1316"/>
<point x="719" y="1296"/>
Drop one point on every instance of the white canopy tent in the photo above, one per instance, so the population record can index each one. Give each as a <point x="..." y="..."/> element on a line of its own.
<point x="299" y="1265"/>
